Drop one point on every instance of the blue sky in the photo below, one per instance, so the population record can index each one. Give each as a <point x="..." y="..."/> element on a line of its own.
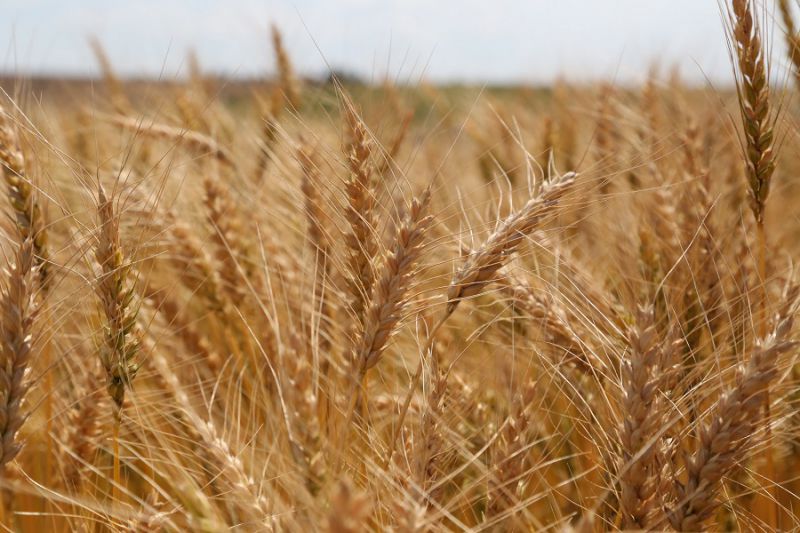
<point x="468" y="40"/>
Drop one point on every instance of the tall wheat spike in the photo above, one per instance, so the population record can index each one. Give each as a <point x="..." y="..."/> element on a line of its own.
<point x="120" y="343"/>
<point x="758" y="118"/>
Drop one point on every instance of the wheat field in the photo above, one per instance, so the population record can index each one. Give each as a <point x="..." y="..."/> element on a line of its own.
<point x="288" y="305"/>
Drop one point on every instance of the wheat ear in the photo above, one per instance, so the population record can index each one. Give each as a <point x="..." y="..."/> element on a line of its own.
<point x="754" y="104"/>
<point x="225" y="233"/>
<point x="18" y="311"/>
<point x="241" y="485"/>
<point x="361" y="241"/>
<point x="480" y="269"/>
<point x="349" y="510"/>
<point x="28" y="215"/>
<point x="429" y="442"/>
<point x="730" y="426"/>
<point x="194" y="140"/>
<point x="644" y="373"/>
<point x="553" y="320"/>
<point x="390" y="295"/>
<point x="270" y="113"/>
<point x="510" y="460"/>
<point x="317" y="235"/>
<point x="82" y="431"/>
<point x="121" y="341"/>
<point x="482" y="264"/>
<point x="119" y="100"/>
<point x="290" y="84"/>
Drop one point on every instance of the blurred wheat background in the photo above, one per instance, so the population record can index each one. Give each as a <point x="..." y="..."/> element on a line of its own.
<point x="350" y="302"/>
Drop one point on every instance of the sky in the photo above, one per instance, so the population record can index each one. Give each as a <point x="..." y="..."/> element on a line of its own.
<point x="534" y="41"/>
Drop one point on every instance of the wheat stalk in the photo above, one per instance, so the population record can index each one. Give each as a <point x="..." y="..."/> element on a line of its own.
<point x="390" y="295"/>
